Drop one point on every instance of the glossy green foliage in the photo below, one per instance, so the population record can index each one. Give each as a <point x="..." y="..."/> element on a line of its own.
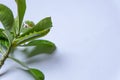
<point x="18" y="33"/>
<point x="37" y="31"/>
<point x="21" y="6"/>
<point x="31" y="36"/>
<point x="42" y="25"/>
<point x="37" y="74"/>
<point x="6" y="17"/>
<point x="41" y="46"/>
<point x="15" y="29"/>
<point x="4" y="43"/>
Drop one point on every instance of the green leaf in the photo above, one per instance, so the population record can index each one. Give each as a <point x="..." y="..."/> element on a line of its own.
<point x="21" y="7"/>
<point x="4" y="43"/>
<point x="44" y="24"/>
<point x="6" y="17"/>
<point x="30" y="37"/>
<point x="16" y="26"/>
<point x="2" y="35"/>
<point x="39" y="30"/>
<point x="37" y="74"/>
<point x="41" y="46"/>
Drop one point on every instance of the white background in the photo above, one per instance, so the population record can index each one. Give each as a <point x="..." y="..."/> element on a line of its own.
<point x="87" y="35"/>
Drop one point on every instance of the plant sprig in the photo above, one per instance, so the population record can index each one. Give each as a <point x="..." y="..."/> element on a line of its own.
<point x="17" y="33"/>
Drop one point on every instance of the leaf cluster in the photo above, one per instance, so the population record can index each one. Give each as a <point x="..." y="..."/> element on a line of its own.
<point x="16" y="32"/>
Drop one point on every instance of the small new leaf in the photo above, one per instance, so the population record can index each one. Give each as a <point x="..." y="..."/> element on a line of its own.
<point x="27" y="25"/>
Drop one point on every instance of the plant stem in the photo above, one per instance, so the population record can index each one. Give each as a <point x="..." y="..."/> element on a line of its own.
<point x="18" y="61"/>
<point x="5" y="56"/>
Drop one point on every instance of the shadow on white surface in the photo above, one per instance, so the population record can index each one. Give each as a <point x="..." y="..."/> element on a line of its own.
<point x="87" y="34"/>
